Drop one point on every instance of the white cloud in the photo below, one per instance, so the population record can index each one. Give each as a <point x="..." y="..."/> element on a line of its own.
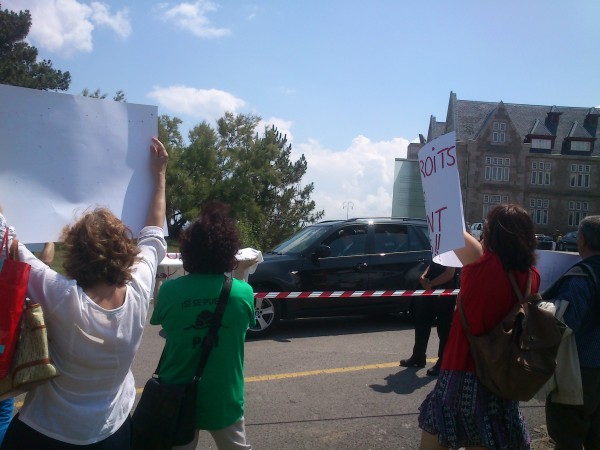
<point x="118" y="22"/>
<point x="362" y="174"/>
<point x="65" y="26"/>
<point x="193" y="17"/>
<point x="205" y="104"/>
<point x="282" y="125"/>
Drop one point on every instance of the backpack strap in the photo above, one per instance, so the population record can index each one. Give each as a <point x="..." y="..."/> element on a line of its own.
<point x="520" y="296"/>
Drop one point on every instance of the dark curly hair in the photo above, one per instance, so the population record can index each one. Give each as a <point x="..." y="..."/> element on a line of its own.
<point x="508" y="231"/>
<point x="99" y="248"/>
<point x="210" y="242"/>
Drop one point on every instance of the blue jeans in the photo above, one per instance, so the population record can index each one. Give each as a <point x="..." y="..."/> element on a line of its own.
<point x="6" y="413"/>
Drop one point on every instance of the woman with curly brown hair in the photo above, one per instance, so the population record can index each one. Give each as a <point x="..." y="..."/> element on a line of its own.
<point x="95" y="316"/>
<point x="184" y="309"/>
<point x="460" y="411"/>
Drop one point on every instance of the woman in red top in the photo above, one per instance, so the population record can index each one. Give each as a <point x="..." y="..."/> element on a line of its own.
<point x="461" y="412"/>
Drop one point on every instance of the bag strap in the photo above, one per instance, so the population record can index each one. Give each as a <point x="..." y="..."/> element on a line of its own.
<point x="215" y="324"/>
<point x="211" y="337"/>
<point x="522" y="297"/>
<point x="13" y="252"/>
<point x="4" y="246"/>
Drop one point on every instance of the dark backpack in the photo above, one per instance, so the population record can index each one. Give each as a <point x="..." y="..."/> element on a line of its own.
<point x="516" y="358"/>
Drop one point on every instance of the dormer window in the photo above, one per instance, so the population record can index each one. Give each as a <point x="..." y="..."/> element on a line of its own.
<point x="499" y="134"/>
<point x="580" y="146"/>
<point x="545" y="144"/>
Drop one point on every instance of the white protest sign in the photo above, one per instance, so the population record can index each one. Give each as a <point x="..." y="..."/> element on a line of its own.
<point x="62" y="155"/>
<point x="443" y="201"/>
<point x="552" y="265"/>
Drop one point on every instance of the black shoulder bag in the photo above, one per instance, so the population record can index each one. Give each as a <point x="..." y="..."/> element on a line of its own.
<point x="166" y="413"/>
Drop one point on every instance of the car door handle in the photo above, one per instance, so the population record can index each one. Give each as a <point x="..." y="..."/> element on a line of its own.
<point x="360" y="267"/>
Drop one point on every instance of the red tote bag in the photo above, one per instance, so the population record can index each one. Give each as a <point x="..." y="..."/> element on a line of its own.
<point x="13" y="288"/>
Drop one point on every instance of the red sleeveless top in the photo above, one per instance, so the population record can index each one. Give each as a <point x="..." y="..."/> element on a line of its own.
<point x="487" y="296"/>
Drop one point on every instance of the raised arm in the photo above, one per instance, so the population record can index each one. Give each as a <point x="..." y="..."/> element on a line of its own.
<point x="47" y="255"/>
<point x="471" y="252"/>
<point x="158" y="204"/>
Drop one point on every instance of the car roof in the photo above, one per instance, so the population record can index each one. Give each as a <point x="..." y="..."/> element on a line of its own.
<point x="411" y="220"/>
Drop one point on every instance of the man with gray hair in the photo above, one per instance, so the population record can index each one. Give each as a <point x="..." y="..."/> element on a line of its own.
<point x="576" y="427"/>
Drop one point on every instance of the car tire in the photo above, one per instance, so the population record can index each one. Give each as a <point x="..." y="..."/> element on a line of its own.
<point x="268" y="313"/>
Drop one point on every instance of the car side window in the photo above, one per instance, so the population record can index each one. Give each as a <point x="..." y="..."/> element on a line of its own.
<point x="418" y="239"/>
<point x="391" y="238"/>
<point x="348" y="241"/>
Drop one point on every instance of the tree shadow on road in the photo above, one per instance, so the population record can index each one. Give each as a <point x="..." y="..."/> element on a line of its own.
<point x="404" y="382"/>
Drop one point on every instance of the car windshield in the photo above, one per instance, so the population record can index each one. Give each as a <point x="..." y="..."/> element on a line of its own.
<point x="300" y="241"/>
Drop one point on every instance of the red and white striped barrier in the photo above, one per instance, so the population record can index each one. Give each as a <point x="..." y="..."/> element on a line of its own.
<point x="355" y="294"/>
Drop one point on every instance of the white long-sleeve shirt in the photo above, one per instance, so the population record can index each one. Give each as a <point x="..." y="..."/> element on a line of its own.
<point x="92" y="348"/>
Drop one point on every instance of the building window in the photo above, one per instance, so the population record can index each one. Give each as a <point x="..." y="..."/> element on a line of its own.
<point x="577" y="211"/>
<point x="580" y="146"/>
<point x="545" y="144"/>
<point x="580" y="175"/>
<point x="497" y="169"/>
<point x="540" y="173"/>
<point x="490" y="201"/>
<point x="538" y="209"/>
<point x="499" y="134"/>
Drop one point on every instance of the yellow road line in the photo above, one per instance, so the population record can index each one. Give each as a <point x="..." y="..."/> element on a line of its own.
<point x="281" y="376"/>
<point x="308" y="373"/>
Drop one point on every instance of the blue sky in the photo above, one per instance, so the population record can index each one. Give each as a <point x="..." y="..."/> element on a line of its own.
<point x="350" y="82"/>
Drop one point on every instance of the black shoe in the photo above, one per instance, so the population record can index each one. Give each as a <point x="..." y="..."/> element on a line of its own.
<point x="435" y="370"/>
<point x="413" y="362"/>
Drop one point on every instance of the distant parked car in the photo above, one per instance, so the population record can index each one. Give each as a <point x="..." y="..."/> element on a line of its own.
<point x="544" y="242"/>
<point x="568" y="242"/>
<point x="476" y="229"/>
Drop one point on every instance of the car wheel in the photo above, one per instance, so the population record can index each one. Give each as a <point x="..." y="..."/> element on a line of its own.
<point x="268" y="313"/>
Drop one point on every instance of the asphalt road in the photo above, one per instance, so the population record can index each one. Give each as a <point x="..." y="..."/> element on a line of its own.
<point x="331" y="384"/>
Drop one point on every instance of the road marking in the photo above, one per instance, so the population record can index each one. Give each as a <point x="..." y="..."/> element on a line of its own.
<point x="281" y="376"/>
<point x="308" y="373"/>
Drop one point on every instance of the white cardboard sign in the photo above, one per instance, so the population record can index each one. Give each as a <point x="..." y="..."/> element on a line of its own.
<point x="438" y="166"/>
<point x="61" y="155"/>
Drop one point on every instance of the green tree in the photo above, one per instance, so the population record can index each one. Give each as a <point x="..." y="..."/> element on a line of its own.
<point x="18" y="60"/>
<point x="119" y="96"/>
<point x="251" y="172"/>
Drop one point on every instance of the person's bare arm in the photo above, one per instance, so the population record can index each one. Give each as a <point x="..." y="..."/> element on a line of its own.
<point x="471" y="252"/>
<point x="158" y="204"/>
<point x="47" y="255"/>
<point x="423" y="280"/>
<point x="444" y="277"/>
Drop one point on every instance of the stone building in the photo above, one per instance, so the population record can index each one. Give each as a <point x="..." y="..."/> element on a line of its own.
<point x="545" y="158"/>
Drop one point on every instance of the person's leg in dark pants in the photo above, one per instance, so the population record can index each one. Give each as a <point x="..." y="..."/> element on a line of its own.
<point x="444" y="312"/>
<point x="574" y="427"/>
<point x="591" y="397"/>
<point x="424" y="314"/>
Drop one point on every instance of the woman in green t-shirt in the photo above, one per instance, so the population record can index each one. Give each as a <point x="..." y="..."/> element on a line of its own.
<point x="184" y="308"/>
